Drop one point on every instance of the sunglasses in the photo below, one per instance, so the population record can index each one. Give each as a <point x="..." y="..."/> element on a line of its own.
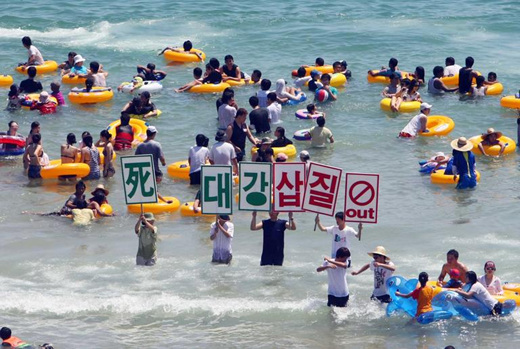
<point x="376" y="255"/>
<point x="490" y="268"/>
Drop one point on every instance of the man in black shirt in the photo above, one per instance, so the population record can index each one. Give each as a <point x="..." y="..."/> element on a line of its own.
<point x="29" y="85"/>
<point x="259" y="117"/>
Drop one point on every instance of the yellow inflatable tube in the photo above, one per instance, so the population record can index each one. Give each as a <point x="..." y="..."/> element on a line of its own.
<point x="36" y="97"/>
<point x="57" y="169"/>
<point x="454" y="80"/>
<point x="508" y="294"/>
<point x="138" y="126"/>
<point x="101" y="156"/>
<point x="438" y="125"/>
<point x="242" y="82"/>
<point x="289" y="150"/>
<point x="324" y="69"/>
<point x="384" y="79"/>
<point x="440" y="178"/>
<point x="183" y="57"/>
<point x="493" y="150"/>
<point x="187" y="210"/>
<point x="511" y="286"/>
<point x="96" y="95"/>
<point x="510" y="102"/>
<point x="404" y="107"/>
<point x="158" y="207"/>
<point x="209" y="88"/>
<point x="46" y="67"/>
<point x="6" y="80"/>
<point x="179" y="169"/>
<point x="73" y="80"/>
<point x="336" y="80"/>
<point x="495" y="89"/>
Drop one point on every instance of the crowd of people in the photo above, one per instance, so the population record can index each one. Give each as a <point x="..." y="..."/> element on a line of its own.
<point x="231" y="137"/>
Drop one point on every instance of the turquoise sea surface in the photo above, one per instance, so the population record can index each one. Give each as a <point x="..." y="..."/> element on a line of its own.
<point x="79" y="287"/>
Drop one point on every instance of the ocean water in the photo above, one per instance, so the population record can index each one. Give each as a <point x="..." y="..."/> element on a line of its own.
<point x="78" y="287"/>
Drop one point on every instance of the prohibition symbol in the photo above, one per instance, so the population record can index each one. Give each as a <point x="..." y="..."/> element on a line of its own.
<point x="364" y="193"/>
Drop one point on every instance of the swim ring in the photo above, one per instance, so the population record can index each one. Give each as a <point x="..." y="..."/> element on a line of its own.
<point x="438" y="125"/>
<point x="404" y="107"/>
<point x="13" y="152"/>
<point x="384" y="79"/>
<point x="510" y="102"/>
<point x="56" y="169"/>
<point x="18" y="141"/>
<point x="494" y="150"/>
<point x="440" y="178"/>
<point x="46" y="67"/>
<point x="289" y="150"/>
<point x="96" y="95"/>
<point x="73" y="80"/>
<point x="35" y="97"/>
<point x="303" y="114"/>
<point x="138" y="126"/>
<point x="158" y="207"/>
<point x="303" y="98"/>
<point x="508" y="293"/>
<point x="336" y="80"/>
<point x="209" y="88"/>
<point x="302" y="135"/>
<point x="6" y="80"/>
<point x="183" y="57"/>
<point x="140" y="116"/>
<point x="242" y="82"/>
<point x="101" y="156"/>
<point x="454" y="80"/>
<point x="187" y="210"/>
<point x="179" y="169"/>
<point x="495" y="89"/>
<point x="148" y="85"/>
<point x="324" y="69"/>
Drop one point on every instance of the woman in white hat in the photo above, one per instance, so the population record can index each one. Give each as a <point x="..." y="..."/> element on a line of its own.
<point x="383" y="268"/>
<point x="79" y="69"/>
<point x="464" y="163"/>
<point x="490" y="138"/>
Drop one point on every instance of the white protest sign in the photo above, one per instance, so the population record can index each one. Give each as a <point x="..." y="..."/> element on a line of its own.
<point x="289" y="186"/>
<point x="139" y="179"/>
<point x="322" y="189"/>
<point x="216" y="189"/>
<point x="361" y="197"/>
<point x="255" y="186"/>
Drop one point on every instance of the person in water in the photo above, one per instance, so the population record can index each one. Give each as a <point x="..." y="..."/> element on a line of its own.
<point x="90" y="156"/>
<point x="477" y="291"/>
<point x="466" y="76"/>
<point x="452" y="262"/>
<point x="197" y="80"/>
<point x="108" y="154"/>
<point x="490" y="281"/>
<point x="454" y="281"/>
<point x="231" y="71"/>
<point x="146" y="231"/>
<point x="44" y="104"/>
<point x="451" y="68"/>
<point x="491" y="138"/>
<point x="30" y="85"/>
<point x="423" y="294"/>
<point x="150" y="73"/>
<point x="281" y="140"/>
<point x="392" y="69"/>
<point x="274" y="236"/>
<point x="464" y="163"/>
<point x="69" y="153"/>
<point x="237" y="132"/>
<point x="56" y="93"/>
<point x="383" y="268"/>
<point x="33" y="156"/>
<point x="338" y="293"/>
<point x="341" y="233"/>
<point x="418" y="123"/>
<point x="98" y="74"/>
<point x="187" y="47"/>
<point x="124" y="133"/>
<point x="436" y="85"/>
<point x="68" y="64"/>
<point x="34" y="55"/>
<point x="221" y="233"/>
<point x="76" y="200"/>
<point x="10" y="341"/>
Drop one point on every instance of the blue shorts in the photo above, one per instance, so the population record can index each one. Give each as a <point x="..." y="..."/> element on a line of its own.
<point x="466" y="182"/>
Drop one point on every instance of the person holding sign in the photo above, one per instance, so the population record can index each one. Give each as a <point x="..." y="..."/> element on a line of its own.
<point x="341" y="233"/>
<point x="221" y="233"/>
<point x="274" y="233"/>
<point x="147" y="233"/>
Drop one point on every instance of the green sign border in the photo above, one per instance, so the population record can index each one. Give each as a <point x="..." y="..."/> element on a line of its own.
<point x="123" y="176"/>
<point x="270" y="184"/>
<point x="202" y="188"/>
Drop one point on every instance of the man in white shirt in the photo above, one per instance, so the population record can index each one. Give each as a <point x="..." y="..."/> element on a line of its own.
<point x="221" y="233"/>
<point x="274" y="108"/>
<point x="451" y="69"/>
<point x="223" y="153"/>
<point x="35" y="57"/>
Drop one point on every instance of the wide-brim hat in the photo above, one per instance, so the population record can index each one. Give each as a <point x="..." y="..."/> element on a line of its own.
<point x="490" y="131"/>
<point x="149" y="216"/>
<point x="100" y="187"/>
<point x="461" y="144"/>
<point x="380" y="250"/>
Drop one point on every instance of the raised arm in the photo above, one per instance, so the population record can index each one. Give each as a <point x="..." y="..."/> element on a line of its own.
<point x="290" y="225"/>
<point x="254" y="225"/>
<point x="363" y="268"/>
<point x="318" y="223"/>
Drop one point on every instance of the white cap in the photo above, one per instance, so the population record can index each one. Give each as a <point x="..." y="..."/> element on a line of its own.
<point x="78" y="58"/>
<point x="439" y="153"/>
<point x="152" y="129"/>
<point x="425" y="105"/>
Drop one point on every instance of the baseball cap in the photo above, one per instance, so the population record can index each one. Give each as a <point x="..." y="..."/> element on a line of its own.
<point x="152" y="129"/>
